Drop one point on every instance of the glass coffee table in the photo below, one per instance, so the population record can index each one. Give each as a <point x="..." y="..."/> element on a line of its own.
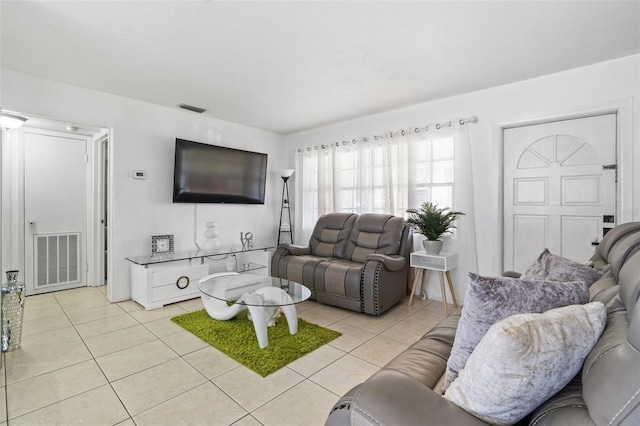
<point x="264" y="297"/>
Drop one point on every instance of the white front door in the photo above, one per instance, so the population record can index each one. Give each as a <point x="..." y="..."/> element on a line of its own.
<point x="559" y="188"/>
<point x="55" y="210"/>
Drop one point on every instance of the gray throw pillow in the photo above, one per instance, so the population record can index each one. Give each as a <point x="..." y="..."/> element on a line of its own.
<point x="525" y="359"/>
<point x="489" y="300"/>
<point x="551" y="267"/>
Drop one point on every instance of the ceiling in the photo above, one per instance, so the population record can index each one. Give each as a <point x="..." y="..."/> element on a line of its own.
<point x="292" y="66"/>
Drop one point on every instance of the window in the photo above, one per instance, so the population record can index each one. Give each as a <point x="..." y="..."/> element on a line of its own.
<point x="389" y="175"/>
<point x="434" y="172"/>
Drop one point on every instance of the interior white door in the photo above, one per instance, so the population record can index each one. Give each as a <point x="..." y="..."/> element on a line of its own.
<point x="559" y="188"/>
<point x="55" y="209"/>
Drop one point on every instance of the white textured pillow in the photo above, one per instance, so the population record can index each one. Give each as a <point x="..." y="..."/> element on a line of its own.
<point x="525" y="359"/>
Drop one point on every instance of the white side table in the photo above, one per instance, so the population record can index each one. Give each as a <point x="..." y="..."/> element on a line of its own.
<point x="443" y="263"/>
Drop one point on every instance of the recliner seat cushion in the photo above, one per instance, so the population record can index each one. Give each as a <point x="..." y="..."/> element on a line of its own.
<point x="567" y="407"/>
<point x="426" y="360"/>
<point x="338" y="277"/>
<point x="300" y="269"/>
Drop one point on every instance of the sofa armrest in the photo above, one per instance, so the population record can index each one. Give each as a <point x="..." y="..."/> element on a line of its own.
<point x="285" y="249"/>
<point x="392" y="398"/>
<point x="391" y="263"/>
<point x="511" y="274"/>
<point x="383" y="282"/>
<point x="295" y="250"/>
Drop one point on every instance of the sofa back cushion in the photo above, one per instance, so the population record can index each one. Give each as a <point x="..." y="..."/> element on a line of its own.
<point x="612" y="237"/>
<point x="374" y="233"/>
<point x="610" y="373"/>
<point x="622" y="250"/>
<point x="629" y="280"/>
<point x="329" y="237"/>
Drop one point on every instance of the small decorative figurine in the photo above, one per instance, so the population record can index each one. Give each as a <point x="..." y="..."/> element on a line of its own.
<point x="246" y="239"/>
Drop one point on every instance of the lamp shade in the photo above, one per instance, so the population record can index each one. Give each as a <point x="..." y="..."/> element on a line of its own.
<point x="10" y="121"/>
<point x="286" y="173"/>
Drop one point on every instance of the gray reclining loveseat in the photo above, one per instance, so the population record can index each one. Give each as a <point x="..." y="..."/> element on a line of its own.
<point x="407" y="391"/>
<point x="356" y="262"/>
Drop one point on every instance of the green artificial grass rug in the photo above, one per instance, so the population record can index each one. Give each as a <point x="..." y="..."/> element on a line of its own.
<point x="237" y="339"/>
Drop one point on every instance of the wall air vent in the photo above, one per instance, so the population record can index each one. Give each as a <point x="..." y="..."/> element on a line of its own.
<point x="192" y="108"/>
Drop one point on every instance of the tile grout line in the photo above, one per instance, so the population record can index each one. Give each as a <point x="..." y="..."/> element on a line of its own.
<point x="249" y="414"/>
<point x="96" y="361"/>
<point x="58" y="369"/>
<point x="109" y="382"/>
<point x="179" y="356"/>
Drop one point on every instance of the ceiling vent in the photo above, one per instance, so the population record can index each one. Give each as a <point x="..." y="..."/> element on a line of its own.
<point x="192" y="108"/>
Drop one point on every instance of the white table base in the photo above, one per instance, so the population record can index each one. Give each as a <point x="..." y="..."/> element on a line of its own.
<point x="262" y="316"/>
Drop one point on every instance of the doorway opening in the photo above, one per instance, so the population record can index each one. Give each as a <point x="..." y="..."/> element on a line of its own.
<point x="55" y="200"/>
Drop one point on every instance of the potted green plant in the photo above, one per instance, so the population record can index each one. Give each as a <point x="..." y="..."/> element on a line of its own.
<point x="432" y="222"/>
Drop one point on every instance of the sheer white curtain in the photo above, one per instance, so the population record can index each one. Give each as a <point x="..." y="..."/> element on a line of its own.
<point x="389" y="173"/>
<point x="464" y="242"/>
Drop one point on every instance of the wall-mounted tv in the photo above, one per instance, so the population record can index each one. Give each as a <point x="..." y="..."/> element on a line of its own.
<point x="216" y="174"/>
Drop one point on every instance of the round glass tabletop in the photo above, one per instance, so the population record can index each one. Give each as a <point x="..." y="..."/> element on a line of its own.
<point x="230" y="287"/>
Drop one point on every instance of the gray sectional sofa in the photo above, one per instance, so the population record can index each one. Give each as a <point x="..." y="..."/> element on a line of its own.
<point x="356" y="262"/>
<point x="408" y="390"/>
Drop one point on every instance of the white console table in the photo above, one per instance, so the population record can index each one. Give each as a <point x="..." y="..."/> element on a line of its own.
<point x="443" y="263"/>
<point x="162" y="279"/>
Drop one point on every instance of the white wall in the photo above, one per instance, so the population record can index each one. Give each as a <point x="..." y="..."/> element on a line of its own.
<point x="591" y="88"/>
<point x="143" y="138"/>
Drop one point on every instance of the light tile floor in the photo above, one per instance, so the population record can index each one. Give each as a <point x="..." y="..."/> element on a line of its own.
<point x="86" y="361"/>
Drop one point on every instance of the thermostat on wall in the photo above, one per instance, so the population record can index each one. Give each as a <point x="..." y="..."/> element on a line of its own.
<point x="139" y="174"/>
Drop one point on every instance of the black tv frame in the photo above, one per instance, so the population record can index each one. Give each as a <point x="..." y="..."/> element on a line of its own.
<point x="182" y="195"/>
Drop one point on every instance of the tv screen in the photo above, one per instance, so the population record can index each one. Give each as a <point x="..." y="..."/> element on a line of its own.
<point x="215" y="174"/>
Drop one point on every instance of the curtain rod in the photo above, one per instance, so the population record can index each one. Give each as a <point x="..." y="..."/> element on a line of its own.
<point x="392" y="134"/>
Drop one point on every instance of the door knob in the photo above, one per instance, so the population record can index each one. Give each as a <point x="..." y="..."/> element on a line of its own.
<point x="31" y="222"/>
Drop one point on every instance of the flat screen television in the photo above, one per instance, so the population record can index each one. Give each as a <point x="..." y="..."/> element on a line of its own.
<point x="216" y="174"/>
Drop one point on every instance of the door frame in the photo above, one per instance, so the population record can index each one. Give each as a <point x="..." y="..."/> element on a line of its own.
<point x="99" y="203"/>
<point x="16" y="256"/>
<point x="623" y="108"/>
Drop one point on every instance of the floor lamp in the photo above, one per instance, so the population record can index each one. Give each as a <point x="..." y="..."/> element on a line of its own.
<point x="286" y="204"/>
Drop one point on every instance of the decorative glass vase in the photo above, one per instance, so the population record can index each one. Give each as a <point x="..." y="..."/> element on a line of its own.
<point x="12" y="277"/>
<point x="232" y="263"/>
<point x="13" y="295"/>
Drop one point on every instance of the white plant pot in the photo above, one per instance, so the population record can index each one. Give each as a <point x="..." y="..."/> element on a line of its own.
<point x="432" y="247"/>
